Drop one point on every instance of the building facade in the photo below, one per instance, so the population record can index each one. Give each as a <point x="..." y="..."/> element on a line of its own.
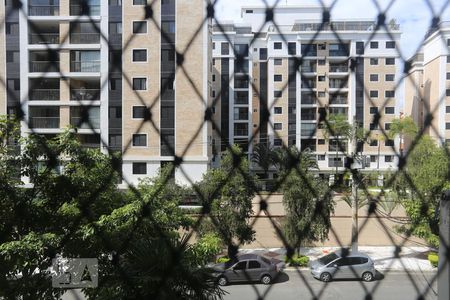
<point x="109" y="69"/>
<point x="427" y="96"/>
<point x="274" y="84"/>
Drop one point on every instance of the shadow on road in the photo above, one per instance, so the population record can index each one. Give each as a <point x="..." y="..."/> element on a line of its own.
<point x="282" y="277"/>
<point x="378" y="276"/>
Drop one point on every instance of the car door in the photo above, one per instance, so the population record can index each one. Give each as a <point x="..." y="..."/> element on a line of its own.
<point x="237" y="272"/>
<point x="254" y="269"/>
<point x="342" y="268"/>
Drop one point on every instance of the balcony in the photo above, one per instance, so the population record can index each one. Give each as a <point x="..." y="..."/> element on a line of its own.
<point x="338" y="99"/>
<point x="84" y="9"/>
<point x="334" y="162"/>
<point x="308" y="84"/>
<point x="44" y="94"/>
<point x="84" y="38"/>
<point x="44" y="122"/>
<point x="44" y="66"/>
<point x="338" y="84"/>
<point x="84" y="94"/>
<point x="43" y="38"/>
<point x="338" y="69"/>
<point x="312" y="68"/>
<point x="308" y="99"/>
<point x="85" y="66"/>
<point x="89" y="121"/>
<point x="43" y="10"/>
<point x="309" y="50"/>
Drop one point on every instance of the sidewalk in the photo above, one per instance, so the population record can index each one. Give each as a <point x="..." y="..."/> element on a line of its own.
<point x="410" y="258"/>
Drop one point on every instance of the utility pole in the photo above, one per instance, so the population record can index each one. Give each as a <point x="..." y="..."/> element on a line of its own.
<point x="354" y="192"/>
<point x="444" y="249"/>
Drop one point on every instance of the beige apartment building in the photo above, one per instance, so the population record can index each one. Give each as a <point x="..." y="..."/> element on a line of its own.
<point x="261" y="95"/>
<point x="427" y="86"/>
<point x="109" y="69"/>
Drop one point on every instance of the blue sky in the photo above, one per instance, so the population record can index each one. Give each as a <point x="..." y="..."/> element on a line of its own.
<point x="414" y="16"/>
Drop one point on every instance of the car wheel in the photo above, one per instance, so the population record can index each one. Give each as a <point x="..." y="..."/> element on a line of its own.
<point x="367" y="276"/>
<point x="222" y="281"/>
<point x="325" y="277"/>
<point x="266" y="279"/>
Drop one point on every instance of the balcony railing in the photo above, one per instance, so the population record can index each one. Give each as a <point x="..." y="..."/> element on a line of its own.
<point x="85" y="66"/>
<point x="44" y="66"/>
<point x="84" y="38"/>
<point x="44" y="38"/>
<point x="308" y="84"/>
<point x="80" y="10"/>
<point x="339" y="53"/>
<point x="43" y="10"/>
<point x="309" y="69"/>
<point x="308" y="117"/>
<point x="84" y="94"/>
<point x="44" y="94"/>
<point x="338" y="84"/>
<point x="339" y="69"/>
<point x="115" y="39"/>
<point x="338" y="100"/>
<point x="308" y="99"/>
<point x="44" y="122"/>
<point x="241" y="132"/>
<point x="75" y="121"/>
<point x="335" y="163"/>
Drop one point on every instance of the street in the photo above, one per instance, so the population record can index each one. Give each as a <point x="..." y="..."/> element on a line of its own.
<point x="290" y="285"/>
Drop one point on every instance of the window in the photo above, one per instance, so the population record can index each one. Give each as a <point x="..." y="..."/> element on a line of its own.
<point x="139" y="140"/>
<point x="373" y="110"/>
<point x="277" y="94"/>
<point x="321" y="78"/>
<point x="139" y="84"/>
<point x="277" y="78"/>
<point x="373" y="158"/>
<point x="225" y="48"/>
<point x="240" y="265"/>
<point x="139" y="2"/>
<point x="321" y="141"/>
<point x="359" y="48"/>
<point x="321" y="94"/>
<point x="321" y="157"/>
<point x="373" y="126"/>
<point x="447" y="126"/>
<point x="389" y="110"/>
<point x="389" y="61"/>
<point x="277" y="126"/>
<point x="139" y="55"/>
<point x="447" y="92"/>
<point x="139" y="168"/>
<point x="115" y="28"/>
<point x="277" y="61"/>
<point x="373" y="143"/>
<point x="139" y="26"/>
<point x="11" y="28"/>
<point x="390" y="45"/>
<point x="447" y="109"/>
<point x="277" y="110"/>
<point x="12" y="56"/>
<point x="13" y="84"/>
<point x="387" y="126"/>
<point x="373" y="94"/>
<point x="263" y="53"/>
<point x="389" y="94"/>
<point x="277" y="46"/>
<point x="389" y="77"/>
<point x="115" y="112"/>
<point x="448" y="58"/>
<point x="389" y="143"/>
<point x="241" y="50"/>
<point x="389" y="158"/>
<point x="448" y="76"/>
<point x="292" y="48"/>
<point x="213" y="94"/>
<point x="168" y="27"/>
<point x="374" y="61"/>
<point x="321" y="62"/>
<point x="214" y="77"/>
<point x="115" y="84"/>
<point x="373" y="77"/>
<point x="139" y="112"/>
<point x="373" y="45"/>
<point x="253" y="264"/>
<point x="214" y="46"/>
<point x="278" y="142"/>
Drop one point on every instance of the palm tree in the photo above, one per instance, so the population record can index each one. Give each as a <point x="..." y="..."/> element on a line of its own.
<point x="403" y="127"/>
<point x="264" y="156"/>
<point x="337" y="126"/>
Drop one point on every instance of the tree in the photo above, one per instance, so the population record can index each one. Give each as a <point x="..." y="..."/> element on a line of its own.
<point x="227" y="193"/>
<point x="338" y="127"/>
<point x="308" y="205"/>
<point x="427" y="169"/>
<point x="264" y="155"/>
<point x="403" y="127"/>
<point x="74" y="209"/>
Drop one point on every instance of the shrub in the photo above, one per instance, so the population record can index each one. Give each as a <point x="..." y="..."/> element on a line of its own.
<point x="298" y="261"/>
<point x="207" y="247"/>
<point x="223" y="259"/>
<point x="433" y="258"/>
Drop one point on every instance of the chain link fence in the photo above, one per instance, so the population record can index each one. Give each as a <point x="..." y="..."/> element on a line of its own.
<point x="146" y="214"/>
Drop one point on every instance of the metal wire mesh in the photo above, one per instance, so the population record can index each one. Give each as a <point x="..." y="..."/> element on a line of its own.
<point x="146" y="213"/>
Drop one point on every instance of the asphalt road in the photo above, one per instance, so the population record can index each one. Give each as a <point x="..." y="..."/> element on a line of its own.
<point x="390" y="285"/>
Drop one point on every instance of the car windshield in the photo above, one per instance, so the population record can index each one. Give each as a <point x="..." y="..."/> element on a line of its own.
<point x="265" y="260"/>
<point x="328" y="258"/>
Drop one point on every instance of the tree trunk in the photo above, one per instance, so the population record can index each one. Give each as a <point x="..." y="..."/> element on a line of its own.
<point x="354" y="214"/>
